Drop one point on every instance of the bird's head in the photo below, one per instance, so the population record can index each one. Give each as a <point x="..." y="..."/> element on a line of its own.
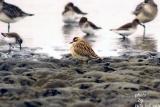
<point x="76" y="39"/>
<point x="83" y="20"/>
<point x="1" y="1"/>
<point x="20" y="41"/>
<point x="70" y="4"/>
<point x="136" y="21"/>
<point x="147" y="1"/>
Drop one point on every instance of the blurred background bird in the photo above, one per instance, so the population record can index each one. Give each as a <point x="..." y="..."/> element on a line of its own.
<point x="12" y="39"/>
<point x="88" y="27"/>
<point x="72" y="13"/>
<point x="80" y="49"/>
<point x="10" y="13"/>
<point x="127" y="29"/>
<point x="146" y="12"/>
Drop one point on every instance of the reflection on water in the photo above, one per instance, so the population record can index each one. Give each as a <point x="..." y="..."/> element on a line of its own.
<point x="47" y="30"/>
<point x="139" y="44"/>
<point x="124" y="43"/>
<point x="70" y="30"/>
<point x="146" y="44"/>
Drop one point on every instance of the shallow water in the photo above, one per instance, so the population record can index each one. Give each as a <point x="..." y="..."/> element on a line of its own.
<point x="46" y="29"/>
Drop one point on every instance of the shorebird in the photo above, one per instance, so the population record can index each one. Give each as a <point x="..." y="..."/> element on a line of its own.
<point x="87" y="26"/>
<point x="146" y="12"/>
<point x="80" y="49"/>
<point x="127" y="29"/>
<point x="10" y="13"/>
<point x="12" y="39"/>
<point x="71" y="13"/>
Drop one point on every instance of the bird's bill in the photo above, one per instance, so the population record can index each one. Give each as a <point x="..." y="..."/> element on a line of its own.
<point x="70" y="42"/>
<point x="3" y="34"/>
<point x="20" y="46"/>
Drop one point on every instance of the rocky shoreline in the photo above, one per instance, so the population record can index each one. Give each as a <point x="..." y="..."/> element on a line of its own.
<point x="35" y="80"/>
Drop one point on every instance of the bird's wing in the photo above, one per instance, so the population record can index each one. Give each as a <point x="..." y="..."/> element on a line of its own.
<point x="125" y="27"/>
<point x="138" y="8"/>
<point x="13" y="35"/>
<point x="85" y="50"/>
<point x="76" y="9"/>
<point x="12" y="11"/>
<point x="94" y="26"/>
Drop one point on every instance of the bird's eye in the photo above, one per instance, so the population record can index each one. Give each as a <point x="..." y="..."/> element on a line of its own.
<point x="75" y="39"/>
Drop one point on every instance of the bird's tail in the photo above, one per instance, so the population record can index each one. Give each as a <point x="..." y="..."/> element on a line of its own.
<point x="84" y="13"/>
<point x="28" y="14"/>
<point x="99" y="27"/>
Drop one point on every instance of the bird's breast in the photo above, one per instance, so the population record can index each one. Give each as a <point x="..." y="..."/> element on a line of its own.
<point x="7" y="19"/>
<point x="70" y="17"/>
<point x="148" y="14"/>
<point x="10" y="40"/>
<point x="150" y="9"/>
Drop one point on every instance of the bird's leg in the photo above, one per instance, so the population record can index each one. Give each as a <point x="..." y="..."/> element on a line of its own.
<point x="10" y="48"/>
<point x="144" y="31"/>
<point x="20" y="46"/>
<point x="87" y="34"/>
<point x="8" y="27"/>
<point x="123" y="36"/>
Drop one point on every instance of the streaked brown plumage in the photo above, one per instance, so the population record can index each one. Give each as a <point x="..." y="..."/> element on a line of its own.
<point x="81" y="49"/>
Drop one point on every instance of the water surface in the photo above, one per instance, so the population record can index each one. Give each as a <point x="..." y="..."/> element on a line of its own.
<point x="46" y="29"/>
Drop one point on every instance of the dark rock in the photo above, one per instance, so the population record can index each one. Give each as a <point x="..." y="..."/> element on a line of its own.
<point x="145" y="88"/>
<point x="99" y="81"/>
<point x="33" y="104"/>
<point x="140" y="60"/>
<point x="106" y="86"/>
<point x="95" y="61"/>
<point x="95" y="99"/>
<point x="5" y="67"/>
<point x="130" y="88"/>
<point x="84" y="86"/>
<point x="51" y="92"/>
<point x="8" y="80"/>
<point x="79" y="71"/>
<point x="106" y="69"/>
<point x="22" y="65"/>
<point x="25" y="82"/>
<point x="157" y="85"/>
<point x="82" y="98"/>
<point x="3" y="91"/>
<point x="83" y="104"/>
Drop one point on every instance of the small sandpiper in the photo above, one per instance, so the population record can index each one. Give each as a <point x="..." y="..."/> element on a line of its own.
<point x="10" y="13"/>
<point x="71" y="13"/>
<point x="80" y="49"/>
<point x="87" y="26"/>
<point x="12" y="39"/>
<point x="127" y="29"/>
<point x="146" y="12"/>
